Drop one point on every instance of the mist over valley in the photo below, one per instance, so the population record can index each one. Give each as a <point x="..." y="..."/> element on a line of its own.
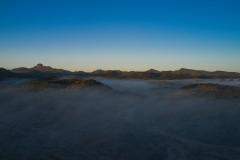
<point x="72" y="118"/>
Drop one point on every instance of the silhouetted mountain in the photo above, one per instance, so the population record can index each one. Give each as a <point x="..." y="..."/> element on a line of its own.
<point x="39" y="68"/>
<point x="182" y="73"/>
<point x="226" y="74"/>
<point x="81" y="73"/>
<point x="141" y="75"/>
<point x="202" y="73"/>
<point x="4" y="71"/>
<point x="100" y="72"/>
<point x="154" y="74"/>
<point x="21" y="70"/>
<point x="152" y="71"/>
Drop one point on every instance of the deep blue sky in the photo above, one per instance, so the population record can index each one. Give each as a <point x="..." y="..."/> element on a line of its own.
<point x="126" y="35"/>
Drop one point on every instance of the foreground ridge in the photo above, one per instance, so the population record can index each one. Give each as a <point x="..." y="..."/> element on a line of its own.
<point x="53" y="82"/>
<point x="214" y="90"/>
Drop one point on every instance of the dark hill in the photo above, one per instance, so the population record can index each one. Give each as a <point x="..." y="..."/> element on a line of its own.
<point x="82" y="73"/>
<point x="5" y="71"/>
<point x="214" y="90"/>
<point x="140" y="75"/>
<point x="53" y="82"/>
<point x="184" y="71"/>
<point x="226" y="74"/>
<point x="165" y="75"/>
<point x="21" y="70"/>
<point x="144" y="75"/>
<point x="100" y="72"/>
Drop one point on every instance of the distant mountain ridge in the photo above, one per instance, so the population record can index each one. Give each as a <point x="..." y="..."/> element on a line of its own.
<point x="191" y="72"/>
<point x="4" y="73"/>
<point x="183" y="73"/>
<point x="40" y="68"/>
<point x="106" y="72"/>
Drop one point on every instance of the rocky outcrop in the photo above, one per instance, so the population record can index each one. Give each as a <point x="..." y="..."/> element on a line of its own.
<point x="39" y="66"/>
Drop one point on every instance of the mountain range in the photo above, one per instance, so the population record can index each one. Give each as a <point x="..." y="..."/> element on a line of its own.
<point x="39" y="68"/>
<point x="183" y="73"/>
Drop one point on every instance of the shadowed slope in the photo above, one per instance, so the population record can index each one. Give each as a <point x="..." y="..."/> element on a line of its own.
<point x="53" y="82"/>
<point x="214" y="90"/>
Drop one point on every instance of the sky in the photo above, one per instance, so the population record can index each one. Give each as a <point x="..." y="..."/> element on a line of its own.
<point x="133" y="35"/>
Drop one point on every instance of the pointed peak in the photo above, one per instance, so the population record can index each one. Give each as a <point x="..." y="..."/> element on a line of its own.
<point x="39" y="65"/>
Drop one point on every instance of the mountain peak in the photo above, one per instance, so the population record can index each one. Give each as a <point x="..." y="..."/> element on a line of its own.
<point x="98" y="71"/>
<point x="39" y="65"/>
<point x="152" y="71"/>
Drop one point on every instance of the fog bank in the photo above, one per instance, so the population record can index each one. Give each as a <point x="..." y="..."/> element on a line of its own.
<point x="139" y="119"/>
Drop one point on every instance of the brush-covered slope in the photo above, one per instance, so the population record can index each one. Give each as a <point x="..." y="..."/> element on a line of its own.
<point x="214" y="90"/>
<point x="53" y="82"/>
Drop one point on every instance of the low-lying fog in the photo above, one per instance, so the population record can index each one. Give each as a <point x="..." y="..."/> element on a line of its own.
<point x="139" y="119"/>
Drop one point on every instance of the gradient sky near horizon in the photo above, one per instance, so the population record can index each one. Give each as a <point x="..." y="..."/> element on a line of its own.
<point x="126" y="35"/>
